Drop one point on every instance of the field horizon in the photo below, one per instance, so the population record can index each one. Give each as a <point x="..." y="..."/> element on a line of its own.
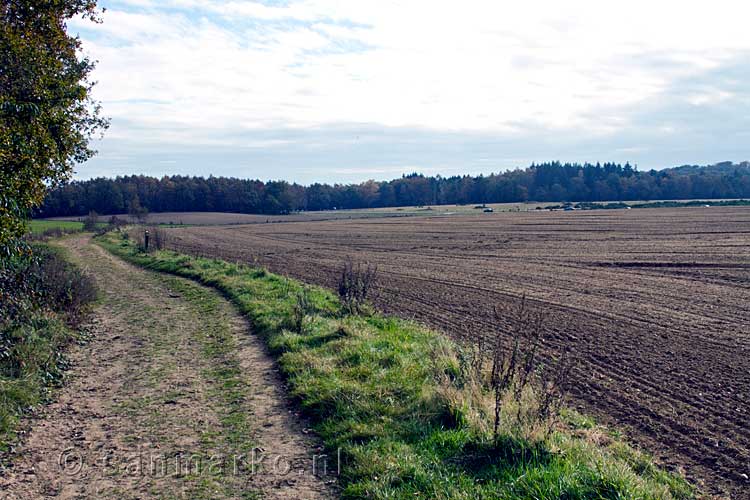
<point x="209" y="217"/>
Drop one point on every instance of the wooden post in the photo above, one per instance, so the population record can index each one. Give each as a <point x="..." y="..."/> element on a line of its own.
<point x="145" y="240"/>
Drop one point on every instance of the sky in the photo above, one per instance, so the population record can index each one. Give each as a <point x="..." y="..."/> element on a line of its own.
<point x="349" y="90"/>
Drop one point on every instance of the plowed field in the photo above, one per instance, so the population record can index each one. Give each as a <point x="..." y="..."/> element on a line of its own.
<point x="655" y="302"/>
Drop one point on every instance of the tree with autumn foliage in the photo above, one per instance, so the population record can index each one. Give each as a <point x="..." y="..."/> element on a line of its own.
<point x="47" y="114"/>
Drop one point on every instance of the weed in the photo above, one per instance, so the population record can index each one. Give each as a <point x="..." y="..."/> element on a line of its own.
<point x="150" y="239"/>
<point x="525" y="392"/>
<point x="303" y="308"/>
<point x="355" y="285"/>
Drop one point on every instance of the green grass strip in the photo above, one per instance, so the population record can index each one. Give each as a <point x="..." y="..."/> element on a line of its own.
<point x="38" y="226"/>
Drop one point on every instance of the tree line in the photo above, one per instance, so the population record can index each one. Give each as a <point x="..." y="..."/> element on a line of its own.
<point x="552" y="181"/>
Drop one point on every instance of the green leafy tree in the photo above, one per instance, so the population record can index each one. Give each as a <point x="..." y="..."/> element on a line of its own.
<point x="47" y="115"/>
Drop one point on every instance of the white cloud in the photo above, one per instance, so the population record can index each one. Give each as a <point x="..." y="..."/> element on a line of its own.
<point x="184" y="71"/>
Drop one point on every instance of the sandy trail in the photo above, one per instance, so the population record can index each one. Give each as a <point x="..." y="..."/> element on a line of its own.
<point x="174" y="398"/>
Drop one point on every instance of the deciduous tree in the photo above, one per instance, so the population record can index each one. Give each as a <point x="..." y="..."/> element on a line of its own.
<point x="47" y="114"/>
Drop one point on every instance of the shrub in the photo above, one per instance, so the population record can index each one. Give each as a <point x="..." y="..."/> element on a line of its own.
<point x="63" y="287"/>
<point x="138" y="213"/>
<point x="15" y="289"/>
<point x="116" y="222"/>
<point x="90" y="221"/>
<point x="526" y="393"/>
<point x="355" y="285"/>
<point x="44" y="280"/>
<point x="157" y="239"/>
<point x="113" y="224"/>
<point x="53" y="232"/>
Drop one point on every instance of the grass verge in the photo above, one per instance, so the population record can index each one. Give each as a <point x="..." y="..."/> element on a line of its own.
<point x="40" y="342"/>
<point x="39" y="226"/>
<point x="44" y="298"/>
<point x="379" y="391"/>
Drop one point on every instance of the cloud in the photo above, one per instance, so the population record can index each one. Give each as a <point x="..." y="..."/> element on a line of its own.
<point x="581" y="75"/>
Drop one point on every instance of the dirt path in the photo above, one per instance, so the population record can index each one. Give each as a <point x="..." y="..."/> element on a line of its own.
<point x="172" y="399"/>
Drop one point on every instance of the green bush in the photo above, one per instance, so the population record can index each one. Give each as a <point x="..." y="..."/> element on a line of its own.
<point x="43" y="280"/>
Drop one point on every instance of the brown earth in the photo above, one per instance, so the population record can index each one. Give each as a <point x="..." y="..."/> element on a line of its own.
<point x="223" y="218"/>
<point x="227" y="218"/>
<point x="173" y="398"/>
<point x="654" y="302"/>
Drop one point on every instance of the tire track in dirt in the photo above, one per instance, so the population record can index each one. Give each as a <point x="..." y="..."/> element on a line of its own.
<point x="145" y="414"/>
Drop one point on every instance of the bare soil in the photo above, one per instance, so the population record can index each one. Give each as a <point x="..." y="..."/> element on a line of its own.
<point x="154" y="409"/>
<point x="654" y="302"/>
<point x="223" y="218"/>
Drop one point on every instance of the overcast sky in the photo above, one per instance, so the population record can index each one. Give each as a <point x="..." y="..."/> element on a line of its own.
<point x="347" y="90"/>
